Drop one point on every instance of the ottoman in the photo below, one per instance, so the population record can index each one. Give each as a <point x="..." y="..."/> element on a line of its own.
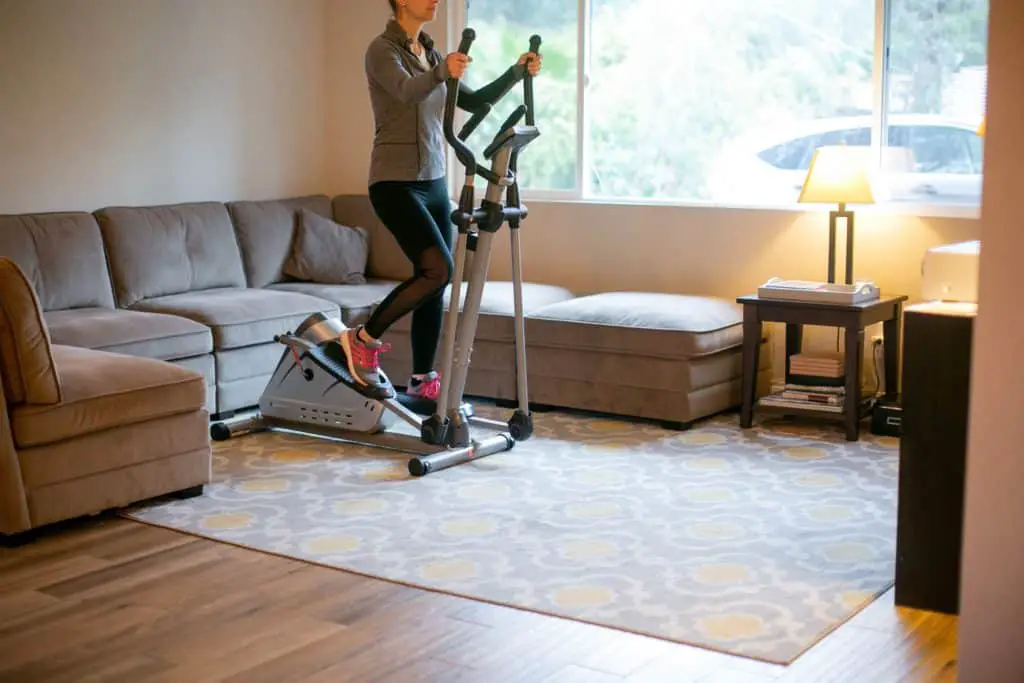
<point x="492" y="370"/>
<point x="666" y="357"/>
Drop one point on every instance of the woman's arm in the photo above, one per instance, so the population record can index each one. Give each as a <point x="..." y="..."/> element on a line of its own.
<point x="471" y="100"/>
<point x="384" y="66"/>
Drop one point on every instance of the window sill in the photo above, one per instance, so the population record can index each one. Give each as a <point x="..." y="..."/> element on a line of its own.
<point x="953" y="211"/>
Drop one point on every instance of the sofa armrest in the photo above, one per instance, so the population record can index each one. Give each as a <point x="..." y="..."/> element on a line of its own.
<point x="14" y="515"/>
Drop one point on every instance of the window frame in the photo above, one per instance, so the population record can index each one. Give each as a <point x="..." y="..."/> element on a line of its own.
<point x="456" y="20"/>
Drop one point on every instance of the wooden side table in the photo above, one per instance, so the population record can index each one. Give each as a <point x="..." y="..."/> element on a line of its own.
<point x="852" y="318"/>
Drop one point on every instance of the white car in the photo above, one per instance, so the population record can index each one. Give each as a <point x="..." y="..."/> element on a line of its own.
<point x="932" y="160"/>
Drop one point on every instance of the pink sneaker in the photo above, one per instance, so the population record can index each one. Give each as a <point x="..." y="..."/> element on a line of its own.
<point x="429" y="387"/>
<point x="363" y="359"/>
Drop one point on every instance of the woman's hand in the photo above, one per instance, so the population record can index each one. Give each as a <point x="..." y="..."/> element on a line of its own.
<point x="457" y="64"/>
<point x="535" y="62"/>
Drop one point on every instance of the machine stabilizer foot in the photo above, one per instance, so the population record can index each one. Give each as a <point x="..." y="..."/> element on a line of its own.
<point x="222" y="431"/>
<point x="423" y="465"/>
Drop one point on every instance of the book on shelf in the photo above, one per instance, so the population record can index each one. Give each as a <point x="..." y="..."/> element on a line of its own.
<point x="822" y="364"/>
<point x="816" y="380"/>
<point x="827" y="399"/>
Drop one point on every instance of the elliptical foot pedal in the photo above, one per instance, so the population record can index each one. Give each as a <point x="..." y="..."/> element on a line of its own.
<point x="417" y="404"/>
<point x="331" y="357"/>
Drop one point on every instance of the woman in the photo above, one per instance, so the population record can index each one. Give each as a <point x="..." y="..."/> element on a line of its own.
<point x="407" y="184"/>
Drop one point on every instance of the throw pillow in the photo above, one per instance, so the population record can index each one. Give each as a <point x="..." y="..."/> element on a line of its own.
<point x="327" y="252"/>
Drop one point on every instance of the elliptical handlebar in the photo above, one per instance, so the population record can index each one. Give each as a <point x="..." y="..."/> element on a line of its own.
<point x="462" y="151"/>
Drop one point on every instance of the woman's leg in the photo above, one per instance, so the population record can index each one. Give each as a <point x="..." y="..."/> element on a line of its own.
<point x="403" y="208"/>
<point x="427" y="320"/>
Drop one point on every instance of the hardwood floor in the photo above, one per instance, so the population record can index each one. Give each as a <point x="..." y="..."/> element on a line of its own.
<point x="109" y="599"/>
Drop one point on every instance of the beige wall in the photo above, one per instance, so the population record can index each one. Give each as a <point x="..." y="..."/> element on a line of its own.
<point x="992" y="610"/>
<point x="149" y="101"/>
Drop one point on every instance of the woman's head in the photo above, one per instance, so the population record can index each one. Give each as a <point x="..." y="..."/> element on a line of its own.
<point x="417" y="10"/>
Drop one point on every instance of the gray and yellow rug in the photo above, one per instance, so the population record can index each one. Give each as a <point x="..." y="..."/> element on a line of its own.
<point x="753" y="542"/>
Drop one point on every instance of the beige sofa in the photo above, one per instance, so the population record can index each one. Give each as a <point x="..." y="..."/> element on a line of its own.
<point x="84" y="430"/>
<point x="204" y="286"/>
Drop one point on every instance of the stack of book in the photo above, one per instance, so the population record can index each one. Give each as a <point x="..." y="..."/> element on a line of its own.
<point x="816" y="380"/>
<point x="819" y="368"/>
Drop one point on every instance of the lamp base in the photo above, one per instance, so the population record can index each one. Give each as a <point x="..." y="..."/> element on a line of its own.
<point x="833" y="218"/>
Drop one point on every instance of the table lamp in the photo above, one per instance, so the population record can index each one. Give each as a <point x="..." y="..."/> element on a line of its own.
<point x="839" y="175"/>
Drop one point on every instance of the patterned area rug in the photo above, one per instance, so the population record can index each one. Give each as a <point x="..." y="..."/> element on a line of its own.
<point x="754" y="542"/>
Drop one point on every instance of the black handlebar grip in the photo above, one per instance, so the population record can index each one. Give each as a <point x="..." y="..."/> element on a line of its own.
<point x="468" y="36"/>
<point x="528" y="82"/>
<point x="463" y="152"/>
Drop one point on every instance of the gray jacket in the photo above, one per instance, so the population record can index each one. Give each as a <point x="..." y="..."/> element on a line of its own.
<point x="408" y="102"/>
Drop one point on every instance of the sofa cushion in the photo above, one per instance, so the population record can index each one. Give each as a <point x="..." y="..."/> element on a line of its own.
<point x="102" y="390"/>
<point x="62" y="256"/>
<point x="327" y="252"/>
<point x="645" y="323"/>
<point x="387" y="261"/>
<point x="356" y="302"/>
<point x="265" y="230"/>
<point x="77" y="466"/>
<point x="241" y="316"/>
<point x="171" y="249"/>
<point x="26" y="359"/>
<point x="497" y="307"/>
<point x="136" y="333"/>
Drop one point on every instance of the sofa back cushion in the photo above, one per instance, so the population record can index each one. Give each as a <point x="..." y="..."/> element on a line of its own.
<point x="170" y="249"/>
<point x="387" y="261"/>
<point x="266" y="231"/>
<point x="26" y="358"/>
<point x="61" y="254"/>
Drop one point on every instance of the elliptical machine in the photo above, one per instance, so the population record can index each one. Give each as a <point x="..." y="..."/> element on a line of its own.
<point x="312" y="391"/>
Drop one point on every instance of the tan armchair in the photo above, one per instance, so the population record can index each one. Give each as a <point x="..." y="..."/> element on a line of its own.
<point x="84" y="431"/>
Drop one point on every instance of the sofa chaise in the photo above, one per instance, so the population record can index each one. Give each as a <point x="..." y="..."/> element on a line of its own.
<point x="85" y="430"/>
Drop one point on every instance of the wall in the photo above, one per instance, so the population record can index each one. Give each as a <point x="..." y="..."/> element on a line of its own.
<point x="589" y="247"/>
<point x="991" y="626"/>
<point x="150" y="101"/>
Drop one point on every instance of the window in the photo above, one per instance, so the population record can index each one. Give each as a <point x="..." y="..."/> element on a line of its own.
<point x="503" y="31"/>
<point x="725" y="102"/>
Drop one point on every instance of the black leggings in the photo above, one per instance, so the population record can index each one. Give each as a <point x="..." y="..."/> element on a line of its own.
<point x="418" y="214"/>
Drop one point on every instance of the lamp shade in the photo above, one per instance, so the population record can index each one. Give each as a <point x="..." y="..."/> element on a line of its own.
<point x="839" y="175"/>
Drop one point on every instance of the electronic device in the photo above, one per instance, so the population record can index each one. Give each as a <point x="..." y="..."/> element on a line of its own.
<point x="887" y="418"/>
<point x="821" y="292"/>
<point x="949" y="272"/>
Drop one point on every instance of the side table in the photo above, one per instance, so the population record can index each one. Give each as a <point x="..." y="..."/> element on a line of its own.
<point x="852" y="318"/>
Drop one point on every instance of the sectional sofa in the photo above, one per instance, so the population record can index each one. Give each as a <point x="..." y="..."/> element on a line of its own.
<point x="207" y="285"/>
